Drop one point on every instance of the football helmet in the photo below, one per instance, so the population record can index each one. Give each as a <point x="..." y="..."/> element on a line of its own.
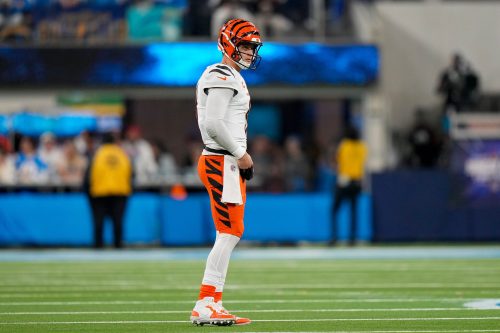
<point x="238" y="32"/>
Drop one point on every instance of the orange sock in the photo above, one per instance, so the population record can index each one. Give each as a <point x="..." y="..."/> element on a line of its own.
<point x="218" y="296"/>
<point x="206" y="291"/>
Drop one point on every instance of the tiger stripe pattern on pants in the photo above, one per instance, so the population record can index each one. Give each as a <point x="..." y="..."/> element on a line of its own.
<point x="228" y="218"/>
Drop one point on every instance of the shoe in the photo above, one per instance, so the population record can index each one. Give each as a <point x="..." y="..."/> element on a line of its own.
<point x="206" y="312"/>
<point x="237" y="320"/>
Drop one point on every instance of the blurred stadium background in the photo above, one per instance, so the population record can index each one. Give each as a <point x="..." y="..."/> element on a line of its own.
<point x="71" y="70"/>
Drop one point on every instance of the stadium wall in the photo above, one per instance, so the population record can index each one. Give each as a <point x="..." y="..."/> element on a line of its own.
<point x="36" y="219"/>
<point x="405" y="206"/>
<point x="422" y="206"/>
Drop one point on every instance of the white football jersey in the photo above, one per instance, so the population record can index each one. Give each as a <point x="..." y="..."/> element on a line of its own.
<point x="222" y="76"/>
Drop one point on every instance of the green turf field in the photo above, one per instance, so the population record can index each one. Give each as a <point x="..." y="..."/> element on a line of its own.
<point x="376" y="295"/>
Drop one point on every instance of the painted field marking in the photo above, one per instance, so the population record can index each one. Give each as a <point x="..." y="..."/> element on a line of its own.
<point x="265" y="301"/>
<point x="333" y="286"/>
<point x="484" y="304"/>
<point x="252" y="311"/>
<point x="261" y="320"/>
<point x="412" y="331"/>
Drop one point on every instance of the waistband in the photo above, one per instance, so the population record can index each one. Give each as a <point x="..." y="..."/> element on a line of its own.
<point x="217" y="151"/>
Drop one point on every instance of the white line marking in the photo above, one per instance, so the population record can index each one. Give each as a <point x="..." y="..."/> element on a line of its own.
<point x="128" y="285"/>
<point x="484" y="304"/>
<point x="412" y="331"/>
<point x="377" y="319"/>
<point x="261" y="320"/>
<point x="279" y="301"/>
<point x="356" y="296"/>
<point x="253" y="311"/>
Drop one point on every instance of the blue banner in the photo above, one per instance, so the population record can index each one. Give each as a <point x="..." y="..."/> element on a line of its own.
<point x="181" y="64"/>
<point x="61" y="125"/>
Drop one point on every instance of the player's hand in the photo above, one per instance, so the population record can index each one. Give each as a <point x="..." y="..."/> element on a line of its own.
<point x="245" y="162"/>
<point x="246" y="166"/>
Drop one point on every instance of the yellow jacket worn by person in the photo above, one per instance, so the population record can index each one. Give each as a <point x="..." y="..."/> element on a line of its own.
<point x="351" y="157"/>
<point x="111" y="172"/>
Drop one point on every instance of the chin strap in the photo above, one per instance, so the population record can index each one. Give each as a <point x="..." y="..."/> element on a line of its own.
<point x="243" y="65"/>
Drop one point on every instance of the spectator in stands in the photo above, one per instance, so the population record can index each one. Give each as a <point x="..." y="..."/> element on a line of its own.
<point x="261" y="152"/>
<point x="190" y="160"/>
<point x="459" y="85"/>
<point x="7" y="168"/>
<point x="298" y="12"/>
<point x="5" y="144"/>
<point x="30" y="168"/>
<point x="15" y="22"/>
<point x="277" y="183"/>
<point x="226" y="10"/>
<point x="71" y="168"/>
<point x="197" y="18"/>
<point x="141" y="154"/>
<point x="145" y="21"/>
<point x="165" y="160"/>
<point x="85" y="144"/>
<point x="424" y="142"/>
<point x="108" y="183"/>
<point x="338" y="16"/>
<point x="50" y="154"/>
<point x="296" y="165"/>
<point x="273" y="24"/>
<point x="349" y="162"/>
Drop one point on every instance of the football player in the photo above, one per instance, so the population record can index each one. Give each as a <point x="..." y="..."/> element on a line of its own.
<point x="223" y="103"/>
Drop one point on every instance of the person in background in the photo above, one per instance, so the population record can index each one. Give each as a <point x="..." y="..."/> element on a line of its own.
<point x="262" y="155"/>
<point x="271" y="22"/>
<point x="141" y="154"/>
<point x="30" y="168"/>
<point x="85" y="144"/>
<point x="50" y="153"/>
<point x="71" y="168"/>
<point x="459" y="85"/>
<point x="193" y="148"/>
<point x="349" y="162"/>
<point x="7" y="168"/>
<point x="424" y="142"/>
<point x="225" y="10"/>
<point x="6" y="144"/>
<point x="296" y="165"/>
<point x="165" y="160"/>
<point x="450" y="85"/>
<point x="108" y="182"/>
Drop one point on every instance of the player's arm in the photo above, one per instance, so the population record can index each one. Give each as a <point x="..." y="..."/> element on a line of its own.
<point x="217" y="104"/>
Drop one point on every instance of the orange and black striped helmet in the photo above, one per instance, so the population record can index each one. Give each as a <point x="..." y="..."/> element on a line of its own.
<point x="236" y="32"/>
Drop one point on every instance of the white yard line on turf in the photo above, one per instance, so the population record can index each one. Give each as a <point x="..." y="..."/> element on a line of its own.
<point x="261" y="320"/>
<point x="265" y="301"/>
<point x="127" y="285"/>
<point x="412" y="331"/>
<point x="253" y="311"/>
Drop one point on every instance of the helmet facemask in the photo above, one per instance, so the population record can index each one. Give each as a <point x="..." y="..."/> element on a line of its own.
<point x="238" y="55"/>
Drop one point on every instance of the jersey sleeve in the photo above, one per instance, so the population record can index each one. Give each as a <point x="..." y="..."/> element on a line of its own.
<point x="219" y="76"/>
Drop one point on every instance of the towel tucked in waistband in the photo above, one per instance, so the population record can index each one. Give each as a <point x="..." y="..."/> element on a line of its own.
<point x="231" y="191"/>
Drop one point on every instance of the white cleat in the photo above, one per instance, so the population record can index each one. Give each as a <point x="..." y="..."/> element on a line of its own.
<point x="206" y="312"/>
<point x="239" y="321"/>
